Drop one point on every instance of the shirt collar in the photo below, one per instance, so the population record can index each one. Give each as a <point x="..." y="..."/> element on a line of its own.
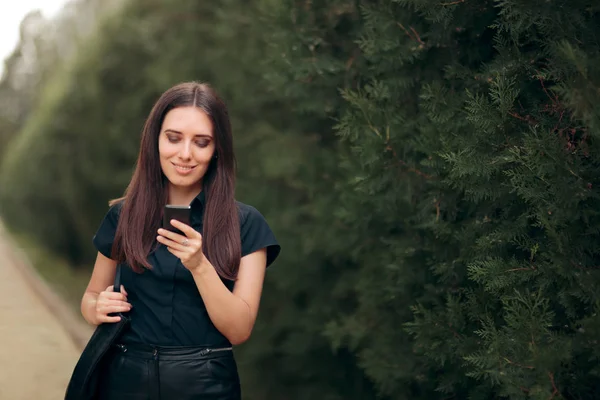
<point x="200" y="199"/>
<point x="198" y="207"/>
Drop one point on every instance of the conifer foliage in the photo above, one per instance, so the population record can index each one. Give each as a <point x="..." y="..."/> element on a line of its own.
<point x="429" y="166"/>
<point x="470" y="202"/>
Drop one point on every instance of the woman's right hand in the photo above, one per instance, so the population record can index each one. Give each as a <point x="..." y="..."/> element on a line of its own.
<point x="109" y="302"/>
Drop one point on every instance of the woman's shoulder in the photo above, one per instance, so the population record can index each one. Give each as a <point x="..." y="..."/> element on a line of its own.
<point x="111" y="216"/>
<point x="246" y="212"/>
<point x="115" y="205"/>
<point x="105" y="235"/>
<point x="256" y="232"/>
<point x="114" y="209"/>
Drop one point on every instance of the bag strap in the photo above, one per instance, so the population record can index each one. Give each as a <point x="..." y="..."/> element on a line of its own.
<point x="117" y="284"/>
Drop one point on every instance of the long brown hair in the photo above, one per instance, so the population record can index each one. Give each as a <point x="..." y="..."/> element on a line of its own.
<point x="147" y="193"/>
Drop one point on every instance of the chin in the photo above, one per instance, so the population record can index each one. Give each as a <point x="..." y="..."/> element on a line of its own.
<point x="184" y="182"/>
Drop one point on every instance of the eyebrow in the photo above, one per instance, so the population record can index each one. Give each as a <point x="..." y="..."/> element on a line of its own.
<point x="181" y="133"/>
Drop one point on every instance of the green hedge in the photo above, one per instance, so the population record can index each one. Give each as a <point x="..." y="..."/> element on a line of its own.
<point x="429" y="167"/>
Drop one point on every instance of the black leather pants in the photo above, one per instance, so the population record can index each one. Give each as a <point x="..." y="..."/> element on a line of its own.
<point x="179" y="373"/>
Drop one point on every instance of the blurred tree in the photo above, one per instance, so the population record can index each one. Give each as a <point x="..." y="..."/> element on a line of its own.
<point x="86" y="133"/>
<point x="429" y="167"/>
<point x="44" y="44"/>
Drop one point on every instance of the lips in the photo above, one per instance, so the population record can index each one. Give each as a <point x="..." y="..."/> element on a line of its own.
<point x="183" y="169"/>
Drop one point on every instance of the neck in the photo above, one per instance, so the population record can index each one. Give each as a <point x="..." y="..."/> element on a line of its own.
<point x="183" y="196"/>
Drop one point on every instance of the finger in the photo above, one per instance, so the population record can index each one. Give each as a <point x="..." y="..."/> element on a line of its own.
<point x="114" y="309"/>
<point x="186" y="229"/>
<point x="108" y="307"/>
<point x="111" y="289"/>
<point x="114" y="296"/>
<point x="123" y="290"/>
<point x="176" y="237"/>
<point x="106" y="318"/>
<point x="172" y="244"/>
<point x="122" y="304"/>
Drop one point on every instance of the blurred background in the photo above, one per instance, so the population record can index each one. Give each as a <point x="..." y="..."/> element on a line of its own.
<point x="431" y="169"/>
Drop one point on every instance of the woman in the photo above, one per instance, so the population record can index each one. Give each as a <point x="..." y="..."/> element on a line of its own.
<point x="190" y="295"/>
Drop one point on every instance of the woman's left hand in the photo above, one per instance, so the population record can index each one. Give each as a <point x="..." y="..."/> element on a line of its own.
<point x="187" y="248"/>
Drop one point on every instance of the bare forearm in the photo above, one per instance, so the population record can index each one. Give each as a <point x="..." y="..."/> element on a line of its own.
<point x="229" y="313"/>
<point x="88" y="307"/>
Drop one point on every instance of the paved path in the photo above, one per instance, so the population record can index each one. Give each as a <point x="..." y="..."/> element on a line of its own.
<point x="37" y="355"/>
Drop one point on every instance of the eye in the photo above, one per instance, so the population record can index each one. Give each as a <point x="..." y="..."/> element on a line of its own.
<point x="202" y="143"/>
<point x="172" y="138"/>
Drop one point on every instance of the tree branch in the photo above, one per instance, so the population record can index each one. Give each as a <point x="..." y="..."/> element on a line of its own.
<point x="453" y="3"/>
<point x="416" y="37"/>
<point x="555" y="392"/>
<point x="517" y="364"/>
<point x="403" y="163"/>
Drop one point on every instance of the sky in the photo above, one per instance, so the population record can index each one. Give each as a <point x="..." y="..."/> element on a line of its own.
<point x="11" y="15"/>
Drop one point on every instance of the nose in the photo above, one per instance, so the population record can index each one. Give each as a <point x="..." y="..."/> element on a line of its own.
<point x="185" y="150"/>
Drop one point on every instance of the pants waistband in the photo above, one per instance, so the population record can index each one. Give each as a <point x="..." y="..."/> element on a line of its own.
<point x="174" y="353"/>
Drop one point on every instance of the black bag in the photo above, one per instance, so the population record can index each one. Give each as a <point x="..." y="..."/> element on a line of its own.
<point x="84" y="380"/>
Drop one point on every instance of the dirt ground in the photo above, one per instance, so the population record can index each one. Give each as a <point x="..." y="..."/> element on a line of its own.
<point x="38" y="355"/>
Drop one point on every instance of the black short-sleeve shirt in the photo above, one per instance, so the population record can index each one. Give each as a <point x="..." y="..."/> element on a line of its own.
<point x="167" y="307"/>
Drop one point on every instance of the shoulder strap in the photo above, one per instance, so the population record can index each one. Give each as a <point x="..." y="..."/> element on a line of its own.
<point x="117" y="284"/>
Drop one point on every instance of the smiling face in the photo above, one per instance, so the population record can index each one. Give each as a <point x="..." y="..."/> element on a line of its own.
<point x="186" y="147"/>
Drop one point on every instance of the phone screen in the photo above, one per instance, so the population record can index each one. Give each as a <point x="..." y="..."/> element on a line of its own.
<point x="180" y="213"/>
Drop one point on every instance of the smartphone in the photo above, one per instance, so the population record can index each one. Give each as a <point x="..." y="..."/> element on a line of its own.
<point x="180" y="213"/>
